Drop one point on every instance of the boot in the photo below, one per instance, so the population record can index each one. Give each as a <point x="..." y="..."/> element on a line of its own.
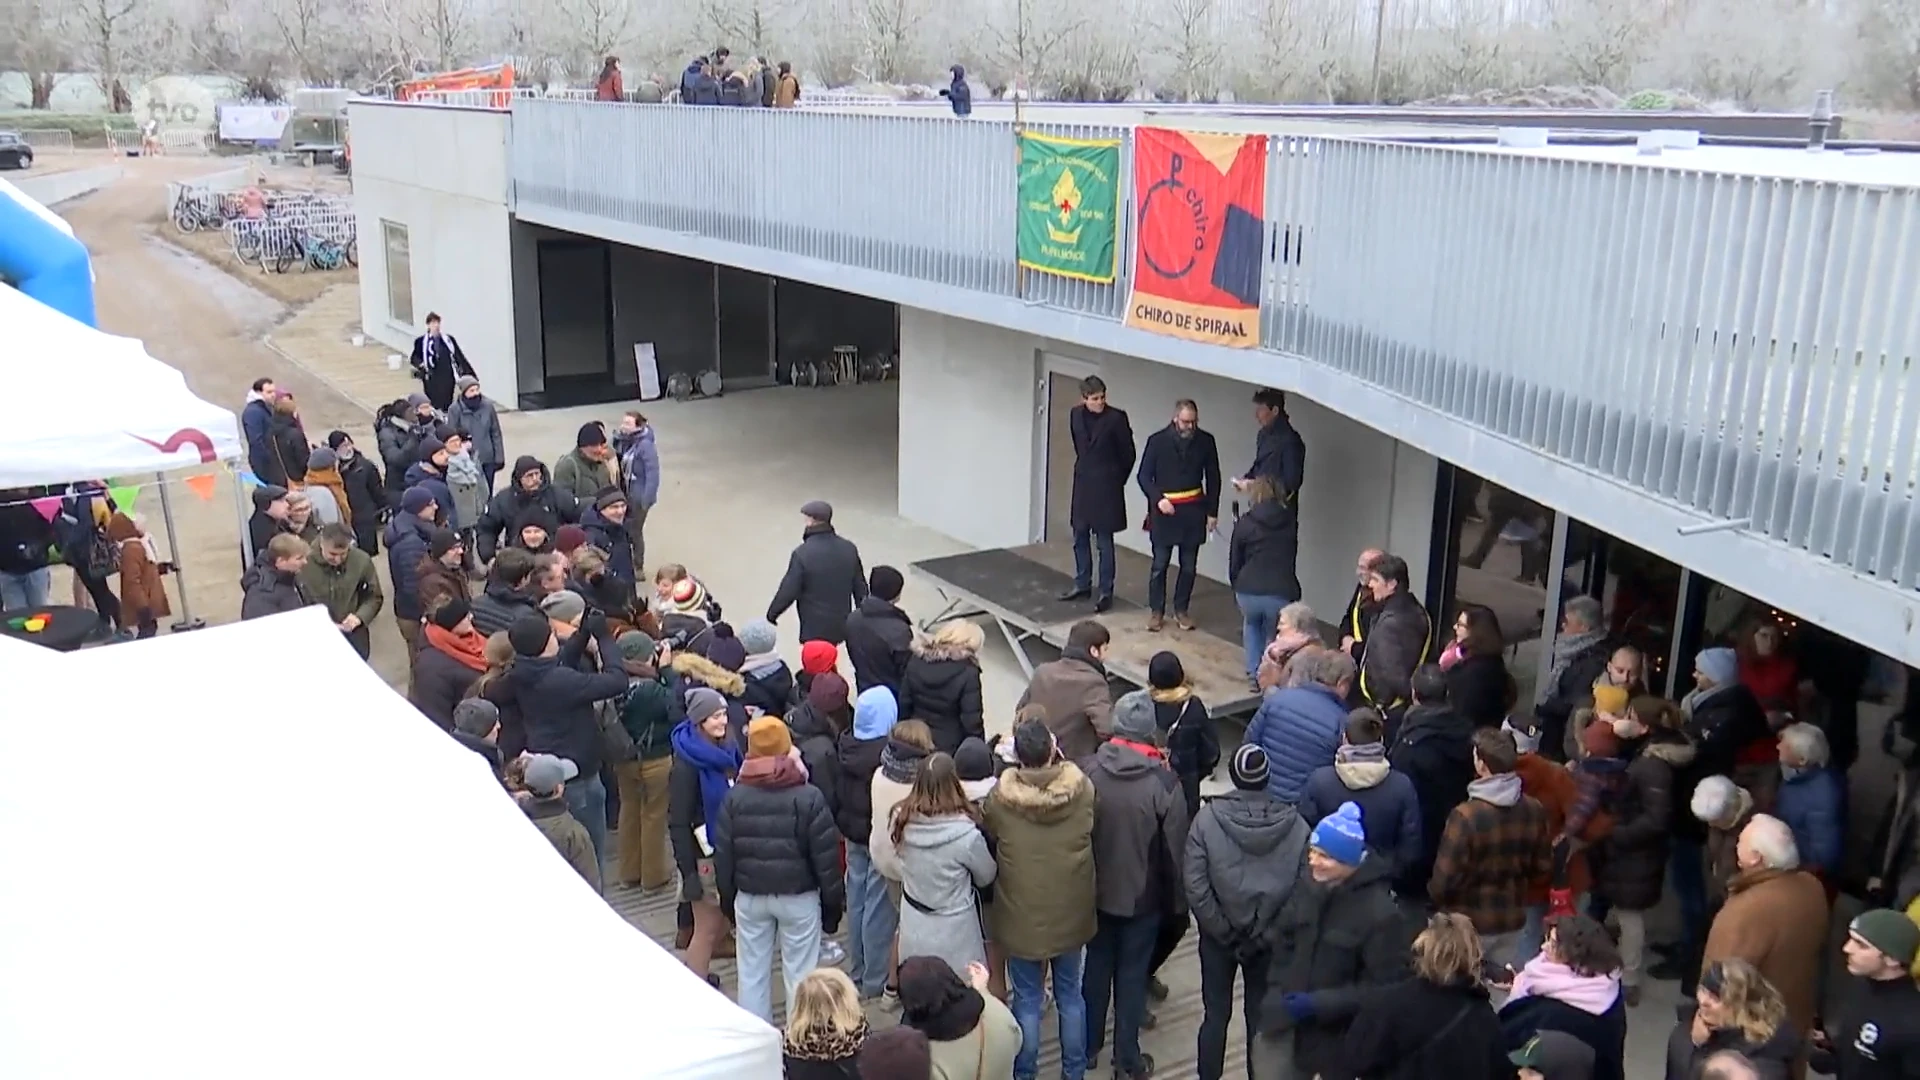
<point x="1155" y="623"/>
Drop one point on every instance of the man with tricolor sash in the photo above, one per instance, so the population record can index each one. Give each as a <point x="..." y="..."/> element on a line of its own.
<point x="1180" y="474"/>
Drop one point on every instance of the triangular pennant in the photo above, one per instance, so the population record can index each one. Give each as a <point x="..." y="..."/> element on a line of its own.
<point x="123" y="497"/>
<point x="201" y="485"/>
<point x="47" y="506"/>
<point x="249" y="478"/>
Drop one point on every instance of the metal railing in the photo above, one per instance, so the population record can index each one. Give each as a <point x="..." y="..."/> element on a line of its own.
<point x="49" y="140"/>
<point x="1743" y="347"/>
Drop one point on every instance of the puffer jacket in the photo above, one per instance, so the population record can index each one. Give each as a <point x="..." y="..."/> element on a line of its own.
<point x="398" y="439"/>
<point x="1389" y="807"/>
<point x="1419" y="1029"/>
<point x="407" y="539"/>
<point x="513" y="503"/>
<point x="1139" y="831"/>
<point x="942" y="861"/>
<point x="268" y="591"/>
<point x="815" y="736"/>
<point x="1299" y="728"/>
<point x="775" y="837"/>
<point x="1340" y="945"/>
<point x="856" y="760"/>
<point x="495" y="609"/>
<point x="1041" y="820"/>
<point x="1244" y="856"/>
<point x="694" y="670"/>
<point x="1813" y="804"/>
<point x="942" y="688"/>
<point x="1632" y="864"/>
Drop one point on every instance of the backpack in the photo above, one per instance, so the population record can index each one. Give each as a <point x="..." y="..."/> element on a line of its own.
<point x="84" y="545"/>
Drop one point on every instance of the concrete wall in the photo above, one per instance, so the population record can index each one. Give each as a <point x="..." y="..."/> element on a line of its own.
<point x="52" y="189"/>
<point x="974" y="389"/>
<point x="442" y="173"/>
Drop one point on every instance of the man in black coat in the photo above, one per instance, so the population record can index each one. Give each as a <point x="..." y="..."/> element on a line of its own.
<point x="531" y="492"/>
<point x="1103" y="455"/>
<point x="824" y="579"/>
<point x="879" y="634"/>
<point x="1279" y="454"/>
<point x="1397" y="642"/>
<point x="438" y="363"/>
<point x="1180" y="474"/>
<point x="1434" y="748"/>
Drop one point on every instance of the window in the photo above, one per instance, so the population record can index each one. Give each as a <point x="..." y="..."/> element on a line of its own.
<point x="399" y="273"/>
<point x="1500" y="541"/>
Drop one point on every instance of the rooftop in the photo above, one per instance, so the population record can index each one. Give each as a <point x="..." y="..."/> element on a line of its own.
<point x="1860" y="165"/>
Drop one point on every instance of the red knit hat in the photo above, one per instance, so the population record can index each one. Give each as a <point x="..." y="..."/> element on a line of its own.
<point x="819" y="657"/>
<point x="569" y="539"/>
<point x="1599" y="740"/>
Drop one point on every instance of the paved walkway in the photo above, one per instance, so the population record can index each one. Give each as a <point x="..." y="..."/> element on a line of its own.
<point x="320" y="340"/>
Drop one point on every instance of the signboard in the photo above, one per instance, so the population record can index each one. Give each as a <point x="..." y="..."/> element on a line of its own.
<point x="1069" y="190"/>
<point x="647" y="366"/>
<point x="253" y="123"/>
<point x="1201" y="239"/>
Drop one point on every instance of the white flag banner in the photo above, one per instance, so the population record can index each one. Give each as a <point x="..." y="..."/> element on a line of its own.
<point x="253" y="123"/>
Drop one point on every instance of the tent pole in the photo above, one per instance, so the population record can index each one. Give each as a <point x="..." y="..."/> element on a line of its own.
<point x="246" y="526"/>
<point x="186" y="621"/>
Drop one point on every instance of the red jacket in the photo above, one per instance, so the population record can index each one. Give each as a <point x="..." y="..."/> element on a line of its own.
<point x="1554" y="788"/>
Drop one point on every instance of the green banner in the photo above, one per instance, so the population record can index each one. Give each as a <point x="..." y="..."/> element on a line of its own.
<point x="1068" y="203"/>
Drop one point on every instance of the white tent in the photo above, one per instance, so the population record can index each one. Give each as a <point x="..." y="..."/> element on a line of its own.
<point x="272" y="866"/>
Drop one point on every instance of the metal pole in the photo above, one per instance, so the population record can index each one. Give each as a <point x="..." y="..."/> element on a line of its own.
<point x="186" y="621"/>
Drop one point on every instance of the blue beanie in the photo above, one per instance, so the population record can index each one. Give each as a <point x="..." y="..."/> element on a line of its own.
<point x="416" y="499"/>
<point x="1720" y="665"/>
<point x="1340" y="836"/>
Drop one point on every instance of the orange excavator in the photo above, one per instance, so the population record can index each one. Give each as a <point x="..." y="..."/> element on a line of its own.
<point x="495" y="77"/>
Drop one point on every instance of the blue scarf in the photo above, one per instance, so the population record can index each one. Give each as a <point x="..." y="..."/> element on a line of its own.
<point x="716" y="765"/>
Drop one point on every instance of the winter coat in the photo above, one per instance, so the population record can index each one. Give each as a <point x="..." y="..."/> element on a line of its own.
<point x="290" y="450"/>
<point x="256" y="422"/>
<point x="1264" y="551"/>
<point x="1491" y="858"/>
<point x="268" y="591"/>
<point x="1552" y="786"/>
<point x="1813" y="804"/>
<point x="143" y="596"/>
<point x="435" y="583"/>
<point x="942" y="861"/>
<point x="776" y="841"/>
<point x="1299" y="728"/>
<point x="1723" y="849"/>
<point x="879" y="645"/>
<point x="567" y="835"/>
<point x="694" y="670"/>
<point x="1339" y="944"/>
<point x="1389" y="807"/>
<point x="612" y="538"/>
<point x="1041" y="820"/>
<point x="513" y="503"/>
<point x="1280" y="455"/>
<point x="1573" y="689"/>
<point x="786" y="92"/>
<point x="1776" y="920"/>
<point x="1434" y="749"/>
<point x="439" y="365"/>
<point x="1139" y="832"/>
<point x="958" y="93"/>
<point x="887" y="794"/>
<point x="1073" y="690"/>
<point x="499" y="605"/>
<point x="1605" y="1033"/>
<point x="557" y="698"/>
<point x="398" y="439"/>
<point x="1723" y="723"/>
<point x="1244" y="854"/>
<point x="1397" y="642"/>
<point x="1418" y="1029"/>
<point x="479" y="417"/>
<point x="817" y="739"/>
<point x="839" y="1063"/>
<point x="581" y="476"/>
<point x="856" y="761"/>
<point x="769" y="689"/>
<point x="1772" y="1059"/>
<point x="426" y="474"/>
<point x="1477" y="689"/>
<point x="440" y="683"/>
<point x="824" y="580"/>
<point x="1171" y="463"/>
<point x="328" y="494"/>
<point x="942" y="688"/>
<point x="1193" y="746"/>
<point x="985" y="1053"/>
<point x="639" y="467"/>
<point x="366" y="497"/>
<point x="407" y="537"/>
<point x="1631" y="863"/>
<point x="261" y="530"/>
<point x="1103" y="457"/>
<point x="352" y="588"/>
<point x="650" y="712"/>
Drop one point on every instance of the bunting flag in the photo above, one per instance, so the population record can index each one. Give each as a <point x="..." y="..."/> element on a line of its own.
<point x="201" y="484"/>
<point x="1200" y="238"/>
<point x="123" y="496"/>
<point x="247" y="477"/>
<point x="47" y="506"/>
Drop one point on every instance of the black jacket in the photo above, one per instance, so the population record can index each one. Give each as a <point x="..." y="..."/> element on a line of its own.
<point x="1338" y="944"/>
<point x="407" y="540"/>
<point x="1396" y="644"/>
<point x="1606" y="1034"/>
<point x="1434" y="748"/>
<point x="556" y="699"/>
<point x="856" y="761"/>
<point x="495" y="608"/>
<point x="25" y="536"/>
<point x="1264" y="551"/>
<point x="1572" y="690"/>
<point x="513" y="503"/>
<point x="366" y="497"/>
<point x="879" y="643"/>
<point x="798" y="1068"/>
<point x="819" y="744"/>
<point x="1103" y="456"/>
<point x="824" y="580"/>
<point x="1630" y="864"/>
<point x="1890" y="1050"/>
<point x="1193" y="746"/>
<point x="1417" y="1029"/>
<point x="398" y="439"/>
<point x="943" y="690"/>
<point x="776" y="841"/>
<point x="1477" y="689"/>
<point x="289" y="448"/>
<point x="439" y="684"/>
<point x="1280" y="455"/>
<point x="770" y="691"/>
<point x="261" y="529"/>
<point x="1772" y="1059"/>
<point x="1170" y="463"/>
<point x="1722" y="724"/>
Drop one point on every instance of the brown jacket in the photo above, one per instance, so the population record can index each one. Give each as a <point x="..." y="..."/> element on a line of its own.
<point x="330" y="479"/>
<point x="1552" y="786"/>
<point x="1775" y="920"/>
<point x="142" y="594"/>
<point x="786" y="93"/>
<point x="1490" y="858"/>
<point x="1073" y="690"/>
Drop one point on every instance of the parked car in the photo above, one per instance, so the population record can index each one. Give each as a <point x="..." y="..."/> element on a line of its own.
<point x="14" y="151"/>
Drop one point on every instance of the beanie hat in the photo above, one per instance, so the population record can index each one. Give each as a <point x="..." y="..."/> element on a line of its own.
<point x="1133" y="717"/>
<point x="635" y="645"/>
<point x="818" y="510"/>
<point x="267" y="494"/>
<point x="1892" y="933"/>
<point x="1611" y="700"/>
<point x="1164" y="672"/>
<point x="828" y="692"/>
<point x="972" y="760"/>
<point x="609" y="497"/>
<point x="758" y="637"/>
<point x="430" y="446"/>
<point x="1720" y="665"/>
<point x="566" y="606"/>
<point x="1249" y="767"/>
<point x="417" y="499"/>
<point x="450" y="613"/>
<point x="886" y="583"/>
<point x="335" y="438"/>
<point x="529" y="635"/>
<point x="569" y="539"/>
<point x="1599" y="740"/>
<point x="591" y="434"/>
<point x="725" y="649"/>
<point x="417" y="399"/>
<point x="703" y="702"/>
<point x="444" y="540"/>
<point x="1340" y="835"/>
<point x="465" y="383"/>
<point x="768" y="737"/>
<point x="475" y="716"/>
<point x="689" y="597"/>
<point x="819" y="657"/>
<point x="323" y="458"/>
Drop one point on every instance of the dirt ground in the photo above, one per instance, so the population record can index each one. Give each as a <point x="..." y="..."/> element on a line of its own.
<point x="293" y="288"/>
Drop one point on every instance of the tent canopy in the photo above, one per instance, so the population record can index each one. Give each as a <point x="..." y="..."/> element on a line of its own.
<point x="83" y="404"/>
<point x="302" y="881"/>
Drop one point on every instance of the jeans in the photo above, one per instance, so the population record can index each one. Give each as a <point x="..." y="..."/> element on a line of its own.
<point x="1259" y="619"/>
<point x="1633" y="944"/>
<point x="871" y="922"/>
<point x="1117" y="961"/>
<point x="1182" y="583"/>
<point x="1218" y="966"/>
<point x="1498" y="950"/>
<point x="1686" y="868"/>
<point x="1027" y="981"/>
<point x="1084" y="540"/>
<point x="587" y="802"/>
<point x="794" y="921"/>
<point x="30" y="589"/>
<point x="1532" y="936"/>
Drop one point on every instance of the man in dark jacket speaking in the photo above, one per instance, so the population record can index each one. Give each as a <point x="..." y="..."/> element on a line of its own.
<point x="1103" y="455"/>
<point x="1180" y="474"/>
<point x="1279" y="454"/>
<point x="824" y="579"/>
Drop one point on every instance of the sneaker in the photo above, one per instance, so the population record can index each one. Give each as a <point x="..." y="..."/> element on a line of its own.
<point x="1155" y="622"/>
<point x="1103" y="604"/>
<point x="1180" y="620"/>
<point x="831" y="954"/>
<point x="890" y="999"/>
<point x="1145" y="1069"/>
<point x="1156" y="989"/>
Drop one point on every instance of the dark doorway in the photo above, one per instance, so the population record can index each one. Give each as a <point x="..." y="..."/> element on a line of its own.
<point x="744" y="301"/>
<point x="576" y="330"/>
<point x="810" y="320"/>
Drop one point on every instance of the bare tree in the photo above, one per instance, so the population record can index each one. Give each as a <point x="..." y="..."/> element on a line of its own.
<point x="104" y="27"/>
<point x="36" y="39"/>
<point x="592" y="30"/>
<point x="1600" y="42"/>
<point x="1189" y="31"/>
<point x="1889" y="40"/>
<point x="890" y="32"/>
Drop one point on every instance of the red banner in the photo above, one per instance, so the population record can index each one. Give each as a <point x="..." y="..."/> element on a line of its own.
<point x="1200" y="236"/>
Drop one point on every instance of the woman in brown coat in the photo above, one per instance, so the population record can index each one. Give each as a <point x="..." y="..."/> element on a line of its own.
<point x="143" y="599"/>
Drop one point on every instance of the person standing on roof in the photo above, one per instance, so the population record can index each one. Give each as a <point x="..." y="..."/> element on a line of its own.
<point x="824" y="579"/>
<point x="1103" y="456"/>
<point x="1279" y="454"/>
<point x="1180" y="475"/>
<point x="609" y="86"/>
<point x="959" y="94"/>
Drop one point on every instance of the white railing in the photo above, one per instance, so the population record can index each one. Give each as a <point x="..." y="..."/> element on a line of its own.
<point x="49" y="140"/>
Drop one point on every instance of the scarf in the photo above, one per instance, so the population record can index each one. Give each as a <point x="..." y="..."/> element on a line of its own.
<point x="469" y="649"/>
<point x="1171" y="696"/>
<point x="462" y="469"/>
<point x="716" y="765"/>
<point x="1699" y="696"/>
<point x="1500" y="789"/>
<point x="1451" y="655"/>
<point x="900" y="761"/>
<point x="1288" y="642"/>
<point x="1361" y="767"/>
<point x="759" y="665"/>
<point x="1148" y="749"/>
<point x="1543" y="977"/>
<point x="825" y="1044"/>
<point x="1568" y="646"/>
<point x="773" y="773"/>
